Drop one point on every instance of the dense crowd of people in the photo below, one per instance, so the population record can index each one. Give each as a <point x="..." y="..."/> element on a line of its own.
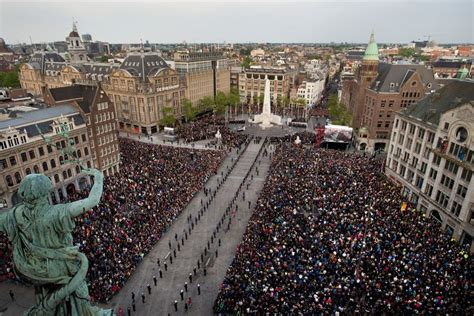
<point x="306" y="138"/>
<point x="205" y="128"/>
<point x="154" y="185"/>
<point x="328" y="236"/>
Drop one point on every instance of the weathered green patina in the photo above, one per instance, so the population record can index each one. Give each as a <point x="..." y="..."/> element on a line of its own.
<point x="43" y="251"/>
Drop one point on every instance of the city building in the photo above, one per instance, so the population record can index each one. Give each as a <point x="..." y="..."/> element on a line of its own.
<point x="447" y="68"/>
<point x="6" y="54"/>
<point x="99" y="112"/>
<point x="203" y="74"/>
<point x="431" y="154"/>
<point x="258" y="52"/>
<point x="141" y="88"/>
<point x="311" y="91"/>
<point x="76" y="49"/>
<point x="32" y="74"/>
<point x="377" y="91"/>
<point x="234" y="76"/>
<point x="24" y="151"/>
<point x="252" y="83"/>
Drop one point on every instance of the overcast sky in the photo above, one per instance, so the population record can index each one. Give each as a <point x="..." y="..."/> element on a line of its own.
<point x="401" y="21"/>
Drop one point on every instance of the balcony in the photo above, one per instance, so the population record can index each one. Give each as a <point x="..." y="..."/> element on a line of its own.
<point x="442" y="153"/>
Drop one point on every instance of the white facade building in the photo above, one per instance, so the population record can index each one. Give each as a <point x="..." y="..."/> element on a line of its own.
<point x="431" y="154"/>
<point x="311" y="91"/>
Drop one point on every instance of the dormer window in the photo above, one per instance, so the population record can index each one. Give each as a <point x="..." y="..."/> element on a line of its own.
<point x="413" y="83"/>
<point x="392" y="85"/>
<point x="428" y="85"/>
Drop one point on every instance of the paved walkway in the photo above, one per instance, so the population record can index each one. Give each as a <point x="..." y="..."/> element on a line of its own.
<point x="205" y="223"/>
<point x="159" y="140"/>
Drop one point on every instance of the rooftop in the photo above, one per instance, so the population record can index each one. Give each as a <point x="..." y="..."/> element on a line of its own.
<point x="39" y="115"/>
<point x="451" y="96"/>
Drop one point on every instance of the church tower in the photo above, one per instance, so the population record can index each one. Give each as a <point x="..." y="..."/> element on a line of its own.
<point x="75" y="46"/>
<point x="370" y="61"/>
<point x="366" y="74"/>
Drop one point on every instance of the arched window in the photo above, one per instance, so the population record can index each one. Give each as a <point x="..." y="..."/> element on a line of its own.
<point x="36" y="169"/>
<point x="78" y="153"/>
<point x="28" y="171"/>
<point x="9" y="180"/>
<point x="56" y="178"/>
<point x="64" y="174"/>
<point x="78" y="170"/>
<point x="45" y="166"/>
<point x="53" y="163"/>
<point x="86" y="151"/>
<point x="17" y="177"/>
<point x="69" y="173"/>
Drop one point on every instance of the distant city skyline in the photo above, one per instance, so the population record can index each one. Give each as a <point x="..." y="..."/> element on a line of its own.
<point x="444" y="21"/>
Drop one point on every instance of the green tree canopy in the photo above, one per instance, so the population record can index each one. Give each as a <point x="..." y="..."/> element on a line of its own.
<point x="205" y="104"/>
<point x="233" y="97"/>
<point x="104" y="59"/>
<point x="246" y="62"/>
<point x="189" y="110"/>
<point x="9" y="79"/>
<point x="338" y="113"/>
<point x="406" y="52"/>
<point x="168" y="118"/>
<point x="285" y="101"/>
<point x="260" y="98"/>
<point x="220" y="103"/>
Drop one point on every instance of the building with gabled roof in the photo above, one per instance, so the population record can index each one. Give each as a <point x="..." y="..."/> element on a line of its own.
<point x="377" y="91"/>
<point x="431" y="155"/>
<point x="101" y="122"/>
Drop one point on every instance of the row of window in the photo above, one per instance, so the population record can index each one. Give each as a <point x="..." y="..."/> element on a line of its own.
<point x="12" y="141"/>
<point x="105" y="116"/>
<point x="108" y="150"/>
<point x="107" y="139"/>
<point x="45" y="166"/>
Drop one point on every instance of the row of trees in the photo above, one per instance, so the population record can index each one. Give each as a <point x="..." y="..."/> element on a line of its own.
<point x="338" y="113"/>
<point x="218" y="105"/>
<point x="230" y="104"/>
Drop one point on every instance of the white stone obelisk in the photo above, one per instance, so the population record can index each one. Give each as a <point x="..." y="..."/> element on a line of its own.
<point x="266" y="119"/>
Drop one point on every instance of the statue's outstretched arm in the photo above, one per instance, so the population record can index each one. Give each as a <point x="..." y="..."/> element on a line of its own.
<point x="81" y="206"/>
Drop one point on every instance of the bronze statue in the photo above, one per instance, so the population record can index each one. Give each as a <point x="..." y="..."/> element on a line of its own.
<point x="43" y="251"/>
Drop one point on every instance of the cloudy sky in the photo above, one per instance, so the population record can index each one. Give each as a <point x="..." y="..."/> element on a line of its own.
<point x="402" y="21"/>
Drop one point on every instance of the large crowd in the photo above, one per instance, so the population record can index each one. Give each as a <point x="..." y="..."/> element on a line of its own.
<point x="328" y="236"/>
<point x="154" y="185"/>
<point x="205" y="128"/>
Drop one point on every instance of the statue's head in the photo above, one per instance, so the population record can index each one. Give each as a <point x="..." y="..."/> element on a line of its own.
<point x="34" y="187"/>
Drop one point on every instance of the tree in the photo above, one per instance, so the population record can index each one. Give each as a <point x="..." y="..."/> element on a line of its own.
<point x="285" y="101"/>
<point x="246" y="62"/>
<point x="104" y="59"/>
<point x="233" y="98"/>
<point x="205" y="104"/>
<point x="189" y="110"/>
<point x="9" y="79"/>
<point x="300" y="103"/>
<point x="338" y="112"/>
<point x="220" y="103"/>
<point x="168" y="118"/>
<point x="406" y="52"/>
